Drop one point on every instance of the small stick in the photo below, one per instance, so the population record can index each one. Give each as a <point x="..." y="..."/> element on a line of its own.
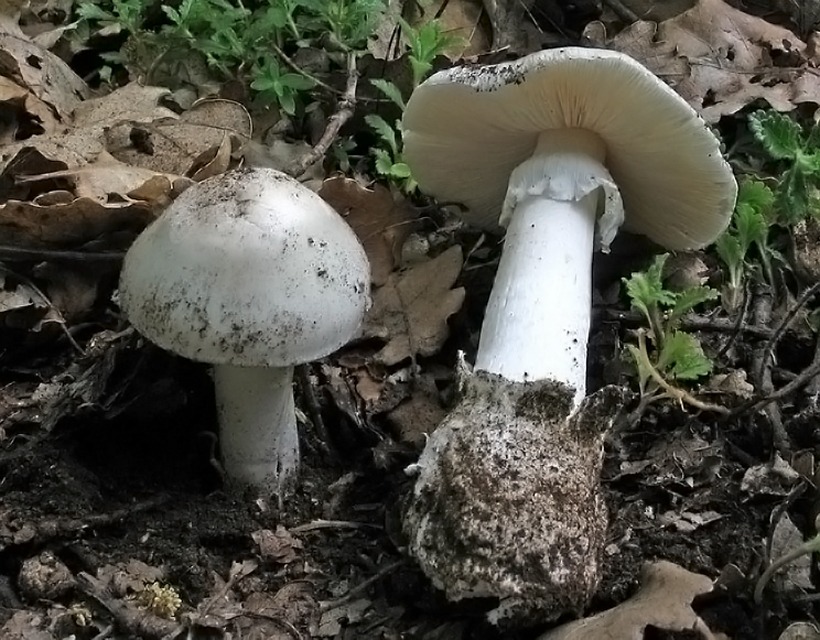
<point x="622" y="11"/>
<point x="11" y="254"/>
<point x="784" y="324"/>
<point x="50" y="529"/>
<point x="344" y="112"/>
<point x="333" y="524"/>
<point x="60" y="319"/>
<point x="359" y="588"/>
<point x="128" y="617"/>
<point x="314" y="410"/>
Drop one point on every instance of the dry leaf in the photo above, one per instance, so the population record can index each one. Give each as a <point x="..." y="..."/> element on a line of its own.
<point x="415" y="418"/>
<point x="663" y="601"/>
<point x="131" y="102"/>
<point x="721" y="59"/>
<point x="277" y="546"/>
<point x="71" y="224"/>
<point x="20" y="101"/>
<point x="411" y="310"/>
<point x="174" y="144"/>
<point x="381" y="224"/>
<point x="43" y="73"/>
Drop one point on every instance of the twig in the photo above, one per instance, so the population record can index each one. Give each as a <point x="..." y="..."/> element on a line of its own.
<point x="297" y="69"/>
<point x="344" y="112"/>
<point x="50" y="529"/>
<point x="738" y="324"/>
<point x="808" y="547"/>
<point x="333" y="524"/>
<point x="689" y="323"/>
<point x="784" y="324"/>
<point x="359" y="588"/>
<point x="675" y="393"/>
<point x="622" y="11"/>
<point x="138" y="622"/>
<point x="802" y="379"/>
<point x="12" y="254"/>
<point x="60" y="319"/>
<point x="313" y="408"/>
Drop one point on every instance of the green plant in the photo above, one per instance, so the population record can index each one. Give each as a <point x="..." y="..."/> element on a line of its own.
<point x="785" y="141"/>
<point x="424" y="44"/>
<point x="750" y="228"/>
<point x="674" y="355"/>
<point x="113" y="18"/>
<point x="388" y="156"/>
<point x="230" y="37"/>
<point x="275" y="86"/>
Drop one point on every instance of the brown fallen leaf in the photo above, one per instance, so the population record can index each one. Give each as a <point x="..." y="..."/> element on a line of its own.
<point x="664" y="601"/>
<point x="277" y="546"/>
<point x="420" y="414"/>
<point x="381" y="223"/>
<point x="30" y="114"/>
<point x="721" y="59"/>
<point x="174" y="144"/>
<point x="71" y="224"/>
<point x="42" y="72"/>
<point x="410" y="311"/>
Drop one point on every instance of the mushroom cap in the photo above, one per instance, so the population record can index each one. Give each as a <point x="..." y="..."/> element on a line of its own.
<point x="465" y="129"/>
<point x="248" y="268"/>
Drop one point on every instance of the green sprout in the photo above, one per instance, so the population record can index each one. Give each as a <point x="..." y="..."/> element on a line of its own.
<point x="424" y="45"/>
<point x="674" y="355"/>
<point x="750" y="228"/>
<point x="786" y="142"/>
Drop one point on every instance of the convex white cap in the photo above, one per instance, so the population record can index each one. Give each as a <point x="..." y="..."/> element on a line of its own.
<point x="466" y="129"/>
<point x="248" y="268"/>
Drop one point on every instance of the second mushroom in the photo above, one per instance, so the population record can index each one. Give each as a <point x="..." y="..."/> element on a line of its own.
<point x="562" y="148"/>
<point x="253" y="273"/>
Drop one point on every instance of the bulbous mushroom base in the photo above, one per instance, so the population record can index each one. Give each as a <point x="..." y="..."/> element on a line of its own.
<point x="508" y="503"/>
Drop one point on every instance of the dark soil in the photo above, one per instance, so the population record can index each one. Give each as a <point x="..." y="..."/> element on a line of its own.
<point x="131" y="475"/>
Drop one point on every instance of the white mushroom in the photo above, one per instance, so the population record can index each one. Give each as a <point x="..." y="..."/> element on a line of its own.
<point x="546" y="146"/>
<point x="507" y="502"/>
<point x="253" y="273"/>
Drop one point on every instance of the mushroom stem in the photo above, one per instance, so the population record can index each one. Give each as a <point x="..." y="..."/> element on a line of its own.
<point x="257" y="425"/>
<point x="536" y="325"/>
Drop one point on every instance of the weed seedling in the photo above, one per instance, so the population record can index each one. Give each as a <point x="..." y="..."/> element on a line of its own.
<point x="750" y="228"/>
<point x="424" y="44"/>
<point x="675" y="355"/>
<point x="786" y="142"/>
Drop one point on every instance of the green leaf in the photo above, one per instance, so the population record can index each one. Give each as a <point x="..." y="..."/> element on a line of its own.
<point x="682" y="357"/>
<point x="688" y="299"/>
<point x="400" y="170"/>
<point x="794" y="196"/>
<point x="384" y="163"/>
<point x="89" y="11"/>
<point x="729" y="249"/>
<point x="297" y="82"/>
<point x="264" y="83"/>
<point x="645" y="289"/>
<point x="287" y="102"/>
<point x="384" y="131"/>
<point x="640" y="365"/>
<point x="755" y="194"/>
<point x="390" y="90"/>
<point x="778" y="133"/>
